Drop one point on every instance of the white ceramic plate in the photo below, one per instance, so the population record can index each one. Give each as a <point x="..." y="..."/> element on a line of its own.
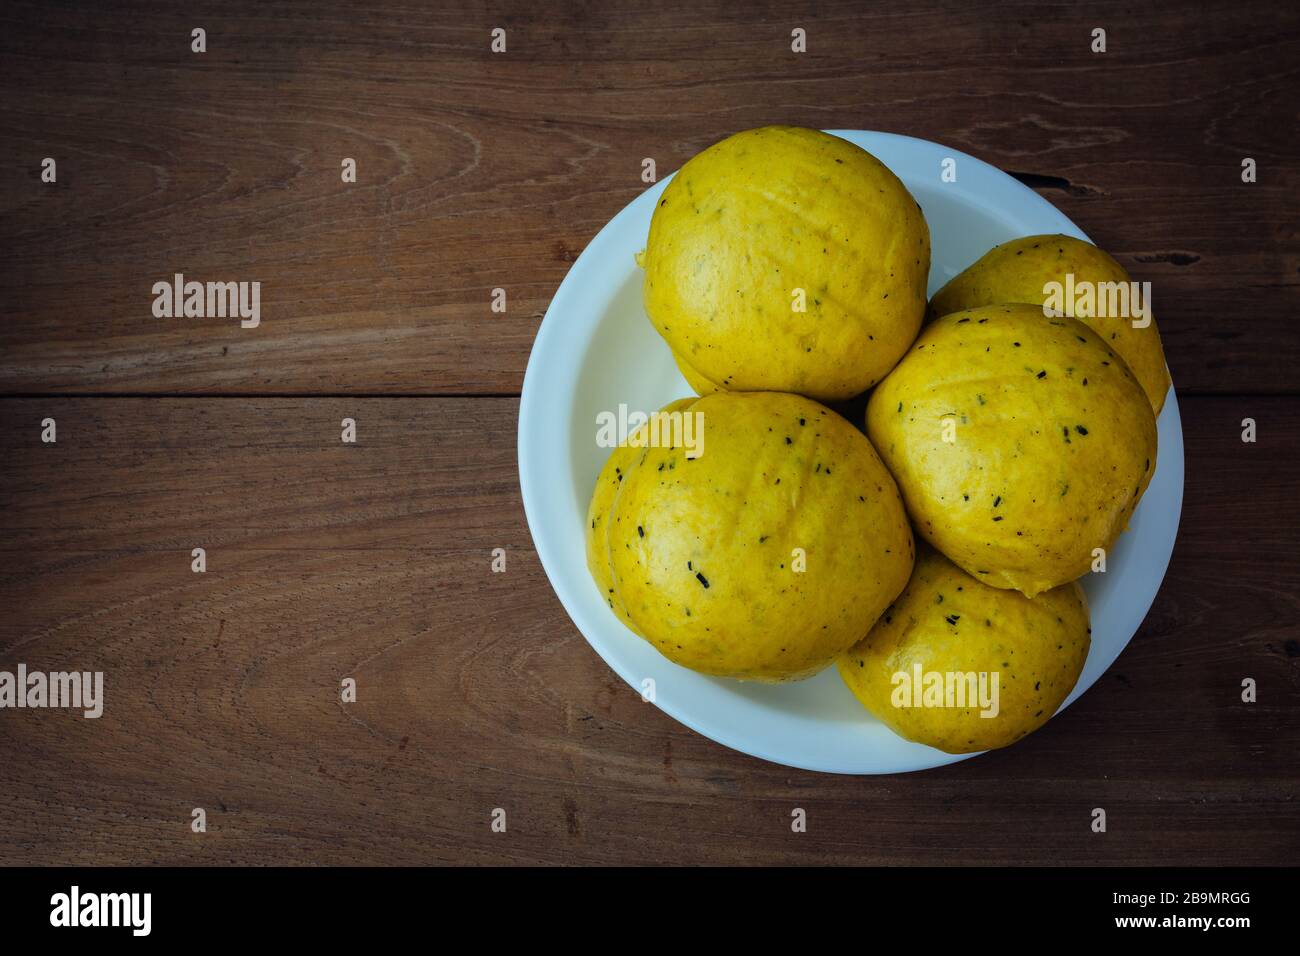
<point x="596" y="350"/>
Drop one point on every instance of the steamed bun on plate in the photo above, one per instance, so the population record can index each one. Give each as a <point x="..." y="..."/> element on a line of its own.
<point x="1020" y="443"/>
<point x="1021" y="270"/>
<point x="786" y="259"/>
<point x="961" y="666"/>
<point x="763" y="558"/>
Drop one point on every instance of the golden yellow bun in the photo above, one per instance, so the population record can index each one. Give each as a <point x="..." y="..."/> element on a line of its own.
<point x="765" y="557"/>
<point x="766" y="217"/>
<point x="1019" y="271"/>
<point x="1014" y="659"/>
<point x="1020" y="443"/>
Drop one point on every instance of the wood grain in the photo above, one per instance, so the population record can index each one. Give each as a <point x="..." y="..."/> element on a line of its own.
<point x="475" y="691"/>
<point x="479" y="171"/>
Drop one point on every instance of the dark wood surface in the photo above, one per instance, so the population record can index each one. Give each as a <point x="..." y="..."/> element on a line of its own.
<point x="479" y="171"/>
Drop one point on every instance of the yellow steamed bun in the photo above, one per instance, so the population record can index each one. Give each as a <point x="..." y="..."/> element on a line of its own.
<point x="961" y="666"/>
<point x="1020" y="443"/>
<point x="763" y="558"/>
<point x="771" y="219"/>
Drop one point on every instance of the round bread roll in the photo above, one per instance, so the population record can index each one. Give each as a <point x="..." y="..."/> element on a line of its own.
<point x="1020" y="443"/>
<point x="787" y="259"/>
<point x="1097" y="292"/>
<point x="764" y="557"/>
<point x="961" y="666"/>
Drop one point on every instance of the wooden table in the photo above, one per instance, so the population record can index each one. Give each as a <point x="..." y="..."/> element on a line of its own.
<point x="478" y="171"/>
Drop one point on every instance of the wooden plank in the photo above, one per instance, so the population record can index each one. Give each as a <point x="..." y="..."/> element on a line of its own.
<point x="479" y="171"/>
<point x="475" y="691"/>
